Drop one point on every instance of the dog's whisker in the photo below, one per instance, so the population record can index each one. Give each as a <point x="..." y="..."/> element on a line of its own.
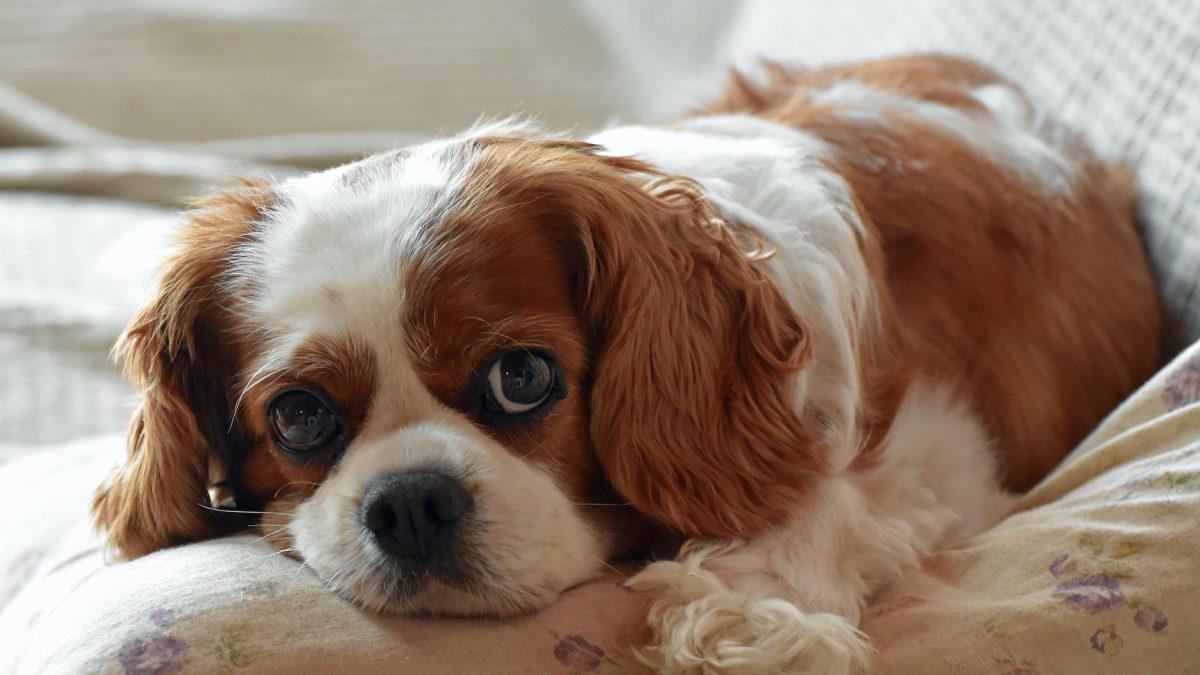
<point x="289" y="549"/>
<point x="253" y="380"/>
<point x="249" y="513"/>
<point x="609" y="566"/>
<point x="267" y="536"/>
<point x="295" y="482"/>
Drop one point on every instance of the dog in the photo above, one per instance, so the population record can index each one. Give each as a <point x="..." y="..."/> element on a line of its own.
<point x="816" y="330"/>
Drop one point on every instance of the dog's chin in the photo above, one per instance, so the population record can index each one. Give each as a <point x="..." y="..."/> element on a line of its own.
<point x="436" y="597"/>
<point x="379" y="585"/>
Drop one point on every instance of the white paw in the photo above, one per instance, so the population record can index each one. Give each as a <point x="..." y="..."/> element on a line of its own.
<point x="701" y="625"/>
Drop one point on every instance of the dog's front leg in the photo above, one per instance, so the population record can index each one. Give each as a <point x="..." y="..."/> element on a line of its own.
<point x="789" y="599"/>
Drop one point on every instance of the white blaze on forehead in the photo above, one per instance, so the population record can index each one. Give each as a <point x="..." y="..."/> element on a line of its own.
<point x="328" y="255"/>
<point x="327" y="259"/>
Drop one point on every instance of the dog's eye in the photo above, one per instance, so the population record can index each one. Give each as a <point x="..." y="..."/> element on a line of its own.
<point x="519" y="386"/>
<point x="302" y="423"/>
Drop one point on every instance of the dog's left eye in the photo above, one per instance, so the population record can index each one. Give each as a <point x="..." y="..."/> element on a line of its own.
<point x="302" y="423"/>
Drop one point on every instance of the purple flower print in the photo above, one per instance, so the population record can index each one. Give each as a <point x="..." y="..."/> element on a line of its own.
<point x="1062" y="565"/>
<point x="1183" y="386"/>
<point x="263" y="590"/>
<point x="162" y="616"/>
<point x="1106" y="641"/>
<point x="1092" y="594"/>
<point x="1150" y="619"/>
<point x="578" y="654"/>
<point x="152" y="655"/>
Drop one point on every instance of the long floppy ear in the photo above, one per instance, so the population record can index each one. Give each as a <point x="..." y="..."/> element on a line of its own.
<point x="181" y="352"/>
<point x="692" y="404"/>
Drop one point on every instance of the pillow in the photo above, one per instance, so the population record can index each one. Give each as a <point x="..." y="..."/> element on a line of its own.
<point x="1095" y="573"/>
<point x="237" y="602"/>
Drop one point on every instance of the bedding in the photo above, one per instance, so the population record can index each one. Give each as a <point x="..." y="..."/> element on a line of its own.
<point x="1095" y="573"/>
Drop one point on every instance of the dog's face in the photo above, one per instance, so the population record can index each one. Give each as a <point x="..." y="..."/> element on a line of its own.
<point x="458" y="378"/>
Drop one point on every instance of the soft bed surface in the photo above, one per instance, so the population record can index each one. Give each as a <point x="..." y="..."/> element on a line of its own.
<point x="1096" y="573"/>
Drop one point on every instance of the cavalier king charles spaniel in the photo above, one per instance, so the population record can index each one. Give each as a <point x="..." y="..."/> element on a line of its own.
<point x="809" y="334"/>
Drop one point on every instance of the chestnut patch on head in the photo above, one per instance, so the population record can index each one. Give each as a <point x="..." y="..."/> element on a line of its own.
<point x="493" y="334"/>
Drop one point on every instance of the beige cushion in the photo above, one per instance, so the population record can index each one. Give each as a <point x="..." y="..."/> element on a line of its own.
<point x="1096" y="575"/>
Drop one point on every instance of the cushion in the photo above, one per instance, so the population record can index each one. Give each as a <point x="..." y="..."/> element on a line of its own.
<point x="1095" y="573"/>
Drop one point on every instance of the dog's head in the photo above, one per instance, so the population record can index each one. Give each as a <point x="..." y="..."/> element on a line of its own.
<point x="458" y="377"/>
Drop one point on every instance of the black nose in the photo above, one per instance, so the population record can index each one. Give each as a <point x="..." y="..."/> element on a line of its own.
<point x="414" y="515"/>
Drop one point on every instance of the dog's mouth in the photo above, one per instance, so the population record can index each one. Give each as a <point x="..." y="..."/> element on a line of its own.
<point x="472" y="574"/>
<point x="461" y="583"/>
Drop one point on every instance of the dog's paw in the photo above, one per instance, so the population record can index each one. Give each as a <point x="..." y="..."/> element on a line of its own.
<point x="701" y="625"/>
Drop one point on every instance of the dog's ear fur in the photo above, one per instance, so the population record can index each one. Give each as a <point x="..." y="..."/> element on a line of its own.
<point x="181" y="352"/>
<point x="692" y="410"/>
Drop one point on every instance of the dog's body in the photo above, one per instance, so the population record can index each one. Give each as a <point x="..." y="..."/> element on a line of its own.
<point x="814" y="330"/>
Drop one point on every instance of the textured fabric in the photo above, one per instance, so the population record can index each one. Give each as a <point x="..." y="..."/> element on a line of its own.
<point x="64" y="297"/>
<point x="1096" y="571"/>
<point x="172" y="71"/>
<point x="237" y="604"/>
<point x="158" y="100"/>
<point x="1095" y="575"/>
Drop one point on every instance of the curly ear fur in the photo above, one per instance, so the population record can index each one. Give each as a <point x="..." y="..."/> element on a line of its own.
<point x="692" y="410"/>
<point x="180" y="351"/>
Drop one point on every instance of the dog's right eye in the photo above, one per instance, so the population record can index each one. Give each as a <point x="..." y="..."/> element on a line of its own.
<point x="302" y="423"/>
<point x="516" y="387"/>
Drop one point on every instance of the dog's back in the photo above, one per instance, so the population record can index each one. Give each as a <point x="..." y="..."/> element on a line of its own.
<point x="1009" y="249"/>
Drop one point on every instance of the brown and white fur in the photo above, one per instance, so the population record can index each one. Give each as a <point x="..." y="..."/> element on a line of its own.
<point x="818" y="330"/>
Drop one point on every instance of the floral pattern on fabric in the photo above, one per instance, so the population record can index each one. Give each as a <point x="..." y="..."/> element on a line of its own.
<point x="1011" y="663"/>
<point x="578" y="654"/>
<point x="1151" y="619"/>
<point x="1090" y="578"/>
<point x="232" y="646"/>
<point x="1092" y="594"/>
<point x="1183" y="385"/>
<point x="153" y="654"/>
<point x="1107" y="642"/>
<point x="162" y="616"/>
